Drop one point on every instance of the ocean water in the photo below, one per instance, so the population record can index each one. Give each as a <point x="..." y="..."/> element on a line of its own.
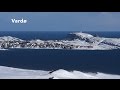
<point x="107" y="61"/>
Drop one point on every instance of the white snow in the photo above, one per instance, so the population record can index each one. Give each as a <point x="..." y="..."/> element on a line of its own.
<point x="3" y="49"/>
<point x="114" y="41"/>
<point x="81" y="34"/>
<point x="37" y="41"/>
<point x="9" y="38"/>
<point x="15" y="73"/>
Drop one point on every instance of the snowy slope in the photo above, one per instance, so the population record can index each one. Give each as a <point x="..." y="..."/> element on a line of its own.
<point x="9" y="38"/>
<point x="15" y="73"/>
<point x="82" y="35"/>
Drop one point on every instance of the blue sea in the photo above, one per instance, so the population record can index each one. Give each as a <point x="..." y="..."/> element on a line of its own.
<point x="107" y="61"/>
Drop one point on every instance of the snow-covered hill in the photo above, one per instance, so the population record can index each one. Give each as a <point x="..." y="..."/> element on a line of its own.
<point x="79" y="35"/>
<point x="77" y="40"/>
<point x="9" y="38"/>
<point x="15" y="73"/>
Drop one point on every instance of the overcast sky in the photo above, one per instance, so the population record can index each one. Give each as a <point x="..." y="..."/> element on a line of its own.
<point x="61" y="21"/>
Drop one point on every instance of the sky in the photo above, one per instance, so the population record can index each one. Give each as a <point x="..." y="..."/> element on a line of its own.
<point x="61" y="21"/>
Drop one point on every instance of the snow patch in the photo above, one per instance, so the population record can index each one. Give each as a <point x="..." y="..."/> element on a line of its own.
<point x="15" y="73"/>
<point x="80" y="34"/>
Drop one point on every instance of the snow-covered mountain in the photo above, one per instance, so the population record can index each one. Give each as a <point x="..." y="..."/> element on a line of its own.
<point x="9" y="38"/>
<point x="79" y="35"/>
<point x="77" y="40"/>
<point x="15" y="73"/>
